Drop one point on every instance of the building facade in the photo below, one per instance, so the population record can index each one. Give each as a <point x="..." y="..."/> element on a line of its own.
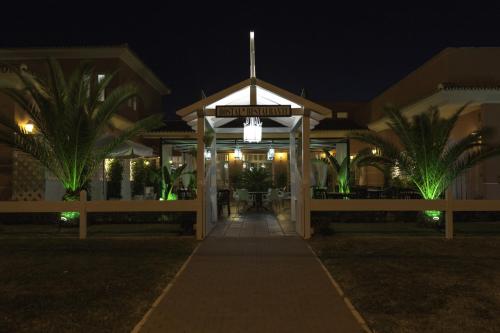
<point x="23" y="179"/>
<point x="451" y="79"/>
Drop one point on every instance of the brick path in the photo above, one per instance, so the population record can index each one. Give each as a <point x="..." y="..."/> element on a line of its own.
<point x="252" y="225"/>
<point x="266" y="284"/>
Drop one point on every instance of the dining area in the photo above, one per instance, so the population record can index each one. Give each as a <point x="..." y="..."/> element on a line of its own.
<point x="271" y="201"/>
<point x="244" y="213"/>
<point x="365" y="192"/>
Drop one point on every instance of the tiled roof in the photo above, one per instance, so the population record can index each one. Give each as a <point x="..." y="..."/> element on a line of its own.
<point x="458" y="86"/>
<point x="354" y="111"/>
<point x="174" y="126"/>
<point x="122" y="52"/>
<point x="338" y="124"/>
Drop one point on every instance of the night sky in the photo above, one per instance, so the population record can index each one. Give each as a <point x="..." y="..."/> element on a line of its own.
<point x="341" y="53"/>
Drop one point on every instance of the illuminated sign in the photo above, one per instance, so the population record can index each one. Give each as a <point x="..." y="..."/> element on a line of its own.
<point x="242" y="111"/>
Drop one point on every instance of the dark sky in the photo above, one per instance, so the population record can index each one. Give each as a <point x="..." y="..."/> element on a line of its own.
<point x="341" y="52"/>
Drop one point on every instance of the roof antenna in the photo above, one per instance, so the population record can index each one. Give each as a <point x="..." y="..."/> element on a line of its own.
<point x="203" y="95"/>
<point x="252" y="55"/>
<point x="303" y="93"/>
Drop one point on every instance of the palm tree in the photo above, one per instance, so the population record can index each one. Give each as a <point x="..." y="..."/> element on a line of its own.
<point x="256" y="179"/>
<point x="425" y="153"/>
<point x="343" y="168"/>
<point x="70" y="116"/>
<point x="168" y="180"/>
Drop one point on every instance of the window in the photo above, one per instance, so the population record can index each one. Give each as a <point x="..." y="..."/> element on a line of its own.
<point x="100" y="78"/>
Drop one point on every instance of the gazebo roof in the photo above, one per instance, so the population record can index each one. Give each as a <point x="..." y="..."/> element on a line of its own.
<point x="267" y="94"/>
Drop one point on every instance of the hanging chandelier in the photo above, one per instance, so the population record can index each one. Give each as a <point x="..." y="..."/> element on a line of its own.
<point x="208" y="154"/>
<point x="252" y="130"/>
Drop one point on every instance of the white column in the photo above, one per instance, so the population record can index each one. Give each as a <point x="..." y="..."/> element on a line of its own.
<point x="213" y="180"/>
<point x="200" y="176"/>
<point x="293" y="177"/>
<point x="306" y="166"/>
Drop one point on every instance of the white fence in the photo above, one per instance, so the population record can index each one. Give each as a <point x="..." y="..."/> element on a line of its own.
<point x="447" y="205"/>
<point x="102" y="206"/>
<point x="83" y="206"/>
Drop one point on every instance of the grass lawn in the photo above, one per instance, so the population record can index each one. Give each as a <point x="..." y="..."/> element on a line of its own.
<point x="386" y="228"/>
<point x="418" y="284"/>
<point x="97" y="285"/>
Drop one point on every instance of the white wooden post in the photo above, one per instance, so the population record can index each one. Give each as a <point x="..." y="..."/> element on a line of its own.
<point x="213" y="179"/>
<point x="292" y="160"/>
<point x="449" y="214"/>
<point x="83" y="214"/>
<point x="306" y="165"/>
<point x="200" y="176"/>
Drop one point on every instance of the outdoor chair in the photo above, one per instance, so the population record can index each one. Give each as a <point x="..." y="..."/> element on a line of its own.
<point x="359" y="193"/>
<point x="223" y="199"/>
<point x="409" y="194"/>
<point x="242" y="196"/>
<point x="319" y="193"/>
<point x="272" y="198"/>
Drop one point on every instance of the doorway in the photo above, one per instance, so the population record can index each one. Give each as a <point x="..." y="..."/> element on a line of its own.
<point x="253" y="188"/>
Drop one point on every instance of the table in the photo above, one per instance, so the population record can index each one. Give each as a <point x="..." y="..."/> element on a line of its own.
<point x="257" y="199"/>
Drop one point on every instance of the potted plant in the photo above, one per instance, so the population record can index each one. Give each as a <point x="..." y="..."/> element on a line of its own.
<point x="115" y="177"/>
<point x="256" y="179"/>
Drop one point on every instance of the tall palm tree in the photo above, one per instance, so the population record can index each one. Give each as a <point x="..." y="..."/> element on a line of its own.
<point x="70" y="116"/>
<point x="425" y="153"/>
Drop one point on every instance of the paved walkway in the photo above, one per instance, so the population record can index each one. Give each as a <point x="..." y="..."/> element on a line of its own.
<point x="258" y="224"/>
<point x="266" y="284"/>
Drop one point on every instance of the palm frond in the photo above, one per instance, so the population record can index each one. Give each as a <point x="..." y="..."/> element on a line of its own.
<point x="425" y="153"/>
<point x="69" y="119"/>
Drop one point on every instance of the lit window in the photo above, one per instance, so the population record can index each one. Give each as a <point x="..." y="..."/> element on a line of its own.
<point x="100" y="78"/>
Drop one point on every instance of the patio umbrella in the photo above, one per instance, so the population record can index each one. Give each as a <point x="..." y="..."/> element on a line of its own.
<point x="127" y="149"/>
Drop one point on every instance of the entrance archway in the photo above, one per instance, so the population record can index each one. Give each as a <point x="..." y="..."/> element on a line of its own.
<point x="288" y="117"/>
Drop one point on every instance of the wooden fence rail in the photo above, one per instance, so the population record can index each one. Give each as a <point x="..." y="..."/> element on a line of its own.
<point x="83" y="207"/>
<point x="448" y="205"/>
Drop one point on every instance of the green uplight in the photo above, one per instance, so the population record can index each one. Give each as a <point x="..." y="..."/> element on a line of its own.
<point x="435" y="215"/>
<point x="68" y="216"/>
<point x="172" y="196"/>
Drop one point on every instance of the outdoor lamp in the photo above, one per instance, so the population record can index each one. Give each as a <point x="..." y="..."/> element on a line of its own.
<point x="208" y="154"/>
<point x="270" y="153"/>
<point x="28" y="127"/>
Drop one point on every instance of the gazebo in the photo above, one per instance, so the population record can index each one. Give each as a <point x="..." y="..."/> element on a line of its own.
<point x="246" y="103"/>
